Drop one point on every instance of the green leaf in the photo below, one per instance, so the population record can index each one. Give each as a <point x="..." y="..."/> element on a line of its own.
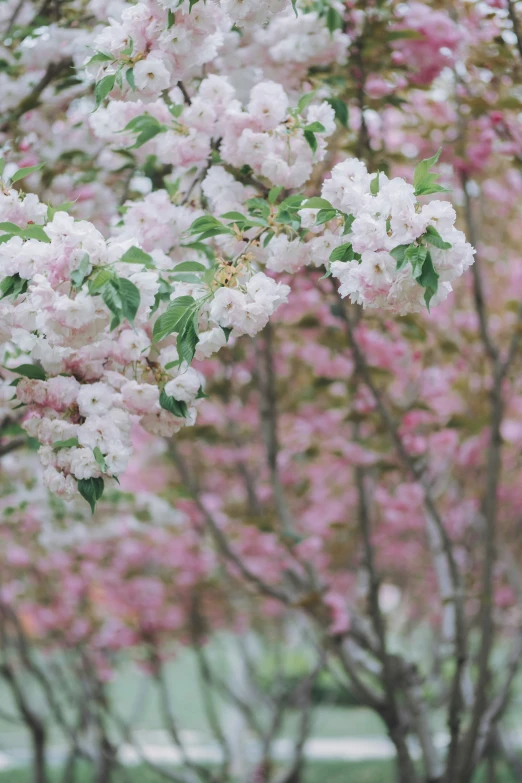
<point x="273" y="194"/>
<point x="14" y="285"/>
<point x="21" y="173"/>
<point x="64" y="207"/>
<point x="130" y="298"/>
<point x="315" y="127"/>
<point x="429" y="279"/>
<point x="202" y="223"/>
<point x="111" y="296"/>
<point x="135" y="255"/>
<point x="208" y="226"/>
<point x="294" y="6"/>
<point x="176" y="109"/>
<point x="334" y="20"/>
<point x="103" y="88"/>
<point x="214" y="232"/>
<point x="148" y="133"/>
<point x="146" y="127"/>
<point x="324" y="215"/>
<point x="35" y="232"/>
<point x="7" y="285"/>
<point x="305" y="100"/>
<point x="399" y="254"/>
<point x="33" y="371"/>
<point x="374" y="184"/>
<point x="424" y="167"/>
<point x="100" y="459"/>
<point x="79" y="275"/>
<point x="170" y="19"/>
<point x="201" y="394"/>
<point x="70" y="443"/>
<point x="176" y="407"/>
<point x="294" y="203"/>
<point x="100" y="57"/>
<point x="186" y="277"/>
<point x="227" y="331"/>
<point x="316" y="203"/>
<point x="234" y="216"/>
<point x="342" y="253"/>
<point x="268" y="238"/>
<point x="173" y="319"/>
<point x="433" y="237"/>
<point x="187" y="341"/>
<point x="11" y="228"/>
<point x="91" y="490"/>
<point x="2" y="166"/>
<point x="424" y="181"/>
<point x="340" y="109"/>
<point x="258" y="205"/>
<point x="429" y="189"/>
<point x="416" y="255"/>
<point x="191" y="3"/>
<point x="348" y="222"/>
<point x="190" y="266"/>
<point x="100" y="280"/>
<point x="129" y="75"/>
<point x="310" y="140"/>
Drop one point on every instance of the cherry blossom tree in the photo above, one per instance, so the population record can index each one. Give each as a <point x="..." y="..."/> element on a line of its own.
<point x="283" y="236"/>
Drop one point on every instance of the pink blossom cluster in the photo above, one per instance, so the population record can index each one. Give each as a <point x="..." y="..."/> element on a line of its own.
<point x="268" y="135"/>
<point x="433" y="47"/>
<point x="110" y="583"/>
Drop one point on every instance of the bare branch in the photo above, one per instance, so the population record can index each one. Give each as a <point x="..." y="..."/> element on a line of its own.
<point x="54" y="70"/>
<point x="219" y="537"/>
<point x="417" y="473"/>
<point x="268" y="412"/>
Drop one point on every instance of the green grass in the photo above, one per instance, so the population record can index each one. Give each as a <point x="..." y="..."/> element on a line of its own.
<point x="339" y="772"/>
<point x="327" y="772"/>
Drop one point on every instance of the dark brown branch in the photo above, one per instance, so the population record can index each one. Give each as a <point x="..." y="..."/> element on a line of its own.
<point x="517" y="29"/>
<point x="219" y="537"/>
<point x="478" y="288"/>
<point x="186" y="96"/>
<point x="392" y="714"/>
<point x="268" y="413"/>
<point x="14" y="445"/>
<point x="54" y="70"/>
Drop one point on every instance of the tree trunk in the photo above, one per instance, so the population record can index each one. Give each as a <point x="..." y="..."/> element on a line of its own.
<point x="106" y="761"/>
<point x="39" y="760"/>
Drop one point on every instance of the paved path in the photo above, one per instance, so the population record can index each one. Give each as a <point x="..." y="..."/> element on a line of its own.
<point x="353" y="749"/>
<point x="156" y="747"/>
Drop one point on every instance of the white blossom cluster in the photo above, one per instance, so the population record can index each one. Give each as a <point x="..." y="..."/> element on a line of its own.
<point x="389" y="218"/>
<point x="78" y="332"/>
